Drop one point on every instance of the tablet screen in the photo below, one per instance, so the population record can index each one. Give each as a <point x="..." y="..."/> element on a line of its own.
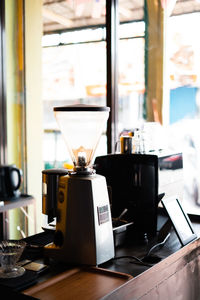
<point x="180" y="220"/>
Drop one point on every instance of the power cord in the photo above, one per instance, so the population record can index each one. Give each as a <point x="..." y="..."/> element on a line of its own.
<point x="159" y="245"/>
<point x="142" y="260"/>
<point x="134" y="258"/>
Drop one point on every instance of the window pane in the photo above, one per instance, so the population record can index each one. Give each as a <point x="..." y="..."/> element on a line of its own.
<point x="131" y="82"/>
<point x="184" y="78"/>
<point x="74" y="70"/>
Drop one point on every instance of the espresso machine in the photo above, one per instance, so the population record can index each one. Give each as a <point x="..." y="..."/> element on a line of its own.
<point x="83" y="233"/>
<point x="137" y="182"/>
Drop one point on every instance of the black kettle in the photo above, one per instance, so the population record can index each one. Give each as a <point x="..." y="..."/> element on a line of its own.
<point x="10" y="182"/>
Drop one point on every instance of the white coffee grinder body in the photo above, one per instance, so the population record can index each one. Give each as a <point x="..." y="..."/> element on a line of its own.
<point x="84" y="233"/>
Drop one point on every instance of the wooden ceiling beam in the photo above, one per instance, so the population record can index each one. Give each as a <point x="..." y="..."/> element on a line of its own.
<point x="56" y="17"/>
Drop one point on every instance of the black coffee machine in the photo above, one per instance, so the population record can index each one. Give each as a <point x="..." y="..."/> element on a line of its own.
<point x="136" y="184"/>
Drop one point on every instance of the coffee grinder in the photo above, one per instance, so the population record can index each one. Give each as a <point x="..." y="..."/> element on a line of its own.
<point x="84" y="233"/>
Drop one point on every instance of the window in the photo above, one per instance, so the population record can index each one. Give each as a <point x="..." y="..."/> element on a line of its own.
<point x="184" y="118"/>
<point x="82" y="64"/>
<point x="74" y="71"/>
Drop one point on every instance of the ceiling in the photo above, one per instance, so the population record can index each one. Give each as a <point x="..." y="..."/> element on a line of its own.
<point x="62" y="15"/>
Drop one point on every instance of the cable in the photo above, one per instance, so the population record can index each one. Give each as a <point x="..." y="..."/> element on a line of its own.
<point x="140" y="260"/>
<point x="133" y="257"/>
<point x="158" y="245"/>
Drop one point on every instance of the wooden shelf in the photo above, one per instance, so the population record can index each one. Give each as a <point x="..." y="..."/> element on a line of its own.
<point x="22" y="201"/>
<point x="6" y="205"/>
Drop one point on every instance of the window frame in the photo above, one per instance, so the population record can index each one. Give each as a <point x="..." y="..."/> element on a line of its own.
<point x="3" y="118"/>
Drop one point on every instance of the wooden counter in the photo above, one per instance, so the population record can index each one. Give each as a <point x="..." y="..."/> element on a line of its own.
<point x="176" y="276"/>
